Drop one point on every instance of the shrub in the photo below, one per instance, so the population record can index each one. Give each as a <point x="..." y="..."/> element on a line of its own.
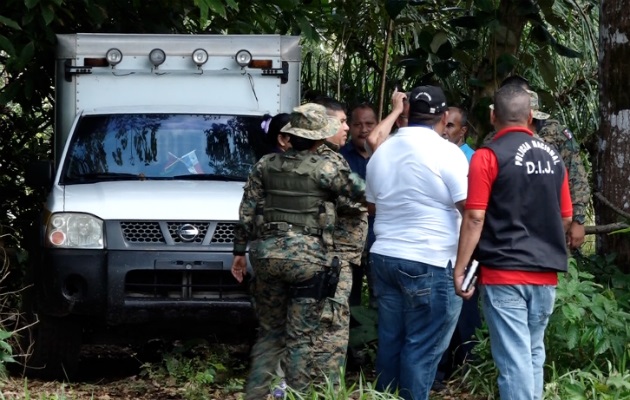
<point x="587" y="334"/>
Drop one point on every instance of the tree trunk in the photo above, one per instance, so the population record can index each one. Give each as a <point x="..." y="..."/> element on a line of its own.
<point x="612" y="169"/>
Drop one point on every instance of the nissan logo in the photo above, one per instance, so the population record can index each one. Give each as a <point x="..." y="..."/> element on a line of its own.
<point x="188" y="232"/>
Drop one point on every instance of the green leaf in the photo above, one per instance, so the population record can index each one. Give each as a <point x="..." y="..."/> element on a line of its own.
<point x="408" y="62"/>
<point x="10" y="23"/>
<point x="470" y="44"/>
<point x="425" y="38"/>
<point x="541" y="35"/>
<point x="566" y="52"/>
<point x="486" y="5"/>
<point x="572" y="337"/>
<point x="362" y="335"/>
<point x="364" y="315"/>
<point x="27" y="53"/>
<point x="203" y="11"/>
<point x="306" y="27"/>
<point x="6" y="358"/>
<point x="445" y="51"/>
<point x="556" y="21"/>
<point x="48" y="14"/>
<point x="467" y="21"/>
<point x="9" y="92"/>
<point x="437" y="41"/>
<point x="575" y="391"/>
<point x="506" y="63"/>
<point x="395" y="7"/>
<point x="217" y="7"/>
<point x="601" y="346"/>
<point x="444" y="68"/>
<point x="4" y="334"/>
<point x="7" y="46"/>
<point x="30" y="3"/>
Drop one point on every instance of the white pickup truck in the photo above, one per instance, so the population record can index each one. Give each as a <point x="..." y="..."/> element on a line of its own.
<point x="155" y="136"/>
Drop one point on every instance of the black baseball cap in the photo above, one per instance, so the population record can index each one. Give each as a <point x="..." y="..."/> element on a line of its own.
<point x="427" y="100"/>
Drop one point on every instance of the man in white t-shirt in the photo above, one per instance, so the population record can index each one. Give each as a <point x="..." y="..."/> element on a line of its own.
<point x="416" y="186"/>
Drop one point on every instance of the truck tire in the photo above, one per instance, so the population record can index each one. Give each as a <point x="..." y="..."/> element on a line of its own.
<point x="50" y="346"/>
<point x="55" y="345"/>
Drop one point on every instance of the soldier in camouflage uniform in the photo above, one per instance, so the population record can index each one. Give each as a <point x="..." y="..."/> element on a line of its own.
<point x="349" y="236"/>
<point x="289" y="247"/>
<point x="550" y="131"/>
<point x="564" y="140"/>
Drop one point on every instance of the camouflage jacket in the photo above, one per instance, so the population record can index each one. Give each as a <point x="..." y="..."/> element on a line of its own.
<point x="290" y="245"/>
<point x="563" y="139"/>
<point x="351" y="226"/>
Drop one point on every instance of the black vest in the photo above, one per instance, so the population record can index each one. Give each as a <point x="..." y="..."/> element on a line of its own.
<point x="523" y="228"/>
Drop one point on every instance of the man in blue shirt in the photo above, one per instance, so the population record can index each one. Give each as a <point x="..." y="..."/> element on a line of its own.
<point x="456" y="129"/>
<point x="362" y="122"/>
<point x="462" y="342"/>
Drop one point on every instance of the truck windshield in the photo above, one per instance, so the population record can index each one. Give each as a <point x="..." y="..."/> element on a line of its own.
<point x="163" y="146"/>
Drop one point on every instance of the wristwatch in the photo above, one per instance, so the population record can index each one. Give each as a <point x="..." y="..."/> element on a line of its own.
<point x="580" y="219"/>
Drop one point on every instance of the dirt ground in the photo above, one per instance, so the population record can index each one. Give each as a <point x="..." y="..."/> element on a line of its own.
<point x="115" y="373"/>
<point x="105" y="373"/>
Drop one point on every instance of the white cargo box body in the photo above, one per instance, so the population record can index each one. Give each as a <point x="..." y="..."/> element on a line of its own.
<point x="219" y="84"/>
<point x="87" y="85"/>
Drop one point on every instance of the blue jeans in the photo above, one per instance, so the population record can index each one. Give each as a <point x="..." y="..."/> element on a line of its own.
<point x="417" y="313"/>
<point x="517" y="316"/>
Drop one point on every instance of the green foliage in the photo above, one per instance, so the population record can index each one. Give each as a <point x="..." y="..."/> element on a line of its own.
<point x="360" y="390"/>
<point x="587" y="385"/>
<point x="197" y="367"/>
<point x="589" y="326"/>
<point x="366" y="331"/>
<point x="479" y="377"/>
<point x="6" y="329"/>
<point x="587" y="334"/>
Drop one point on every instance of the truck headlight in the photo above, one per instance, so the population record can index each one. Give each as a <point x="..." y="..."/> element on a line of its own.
<point x="74" y="230"/>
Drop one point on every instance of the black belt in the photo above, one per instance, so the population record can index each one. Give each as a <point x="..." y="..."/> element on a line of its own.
<point x="271" y="227"/>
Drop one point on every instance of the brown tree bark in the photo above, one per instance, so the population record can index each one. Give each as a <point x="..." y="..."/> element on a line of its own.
<point x="612" y="164"/>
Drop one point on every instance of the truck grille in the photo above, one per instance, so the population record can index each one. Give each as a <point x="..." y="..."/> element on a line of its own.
<point x="168" y="232"/>
<point x="182" y="285"/>
<point x="142" y="232"/>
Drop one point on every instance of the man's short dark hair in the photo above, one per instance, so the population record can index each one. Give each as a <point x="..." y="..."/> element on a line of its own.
<point x="330" y="103"/>
<point x="516" y="80"/>
<point x="362" y="106"/>
<point x="464" y="113"/>
<point x="511" y="104"/>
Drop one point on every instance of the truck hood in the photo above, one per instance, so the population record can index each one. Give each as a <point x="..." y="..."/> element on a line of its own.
<point x="151" y="200"/>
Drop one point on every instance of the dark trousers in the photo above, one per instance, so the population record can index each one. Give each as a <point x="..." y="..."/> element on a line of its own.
<point x="358" y="272"/>
<point x="462" y="342"/>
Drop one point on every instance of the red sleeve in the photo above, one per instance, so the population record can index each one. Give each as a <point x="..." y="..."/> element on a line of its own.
<point x="481" y="175"/>
<point x="566" y="205"/>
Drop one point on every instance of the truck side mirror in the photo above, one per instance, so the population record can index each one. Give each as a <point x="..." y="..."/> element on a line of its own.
<point x="39" y="174"/>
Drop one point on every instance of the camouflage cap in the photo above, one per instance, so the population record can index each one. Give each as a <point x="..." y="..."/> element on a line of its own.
<point x="311" y="121"/>
<point x="533" y="102"/>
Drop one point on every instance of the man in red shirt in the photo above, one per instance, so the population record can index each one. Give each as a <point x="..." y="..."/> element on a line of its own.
<point x="517" y="212"/>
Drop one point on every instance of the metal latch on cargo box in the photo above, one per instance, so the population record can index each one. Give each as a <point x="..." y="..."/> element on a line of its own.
<point x="282" y="73"/>
<point x="71" y="70"/>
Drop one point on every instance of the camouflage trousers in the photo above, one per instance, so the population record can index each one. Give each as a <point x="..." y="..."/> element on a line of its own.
<point x="288" y="327"/>
<point x="332" y="342"/>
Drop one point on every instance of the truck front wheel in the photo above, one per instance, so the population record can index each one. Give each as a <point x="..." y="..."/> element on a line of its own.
<point x="50" y="345"/>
